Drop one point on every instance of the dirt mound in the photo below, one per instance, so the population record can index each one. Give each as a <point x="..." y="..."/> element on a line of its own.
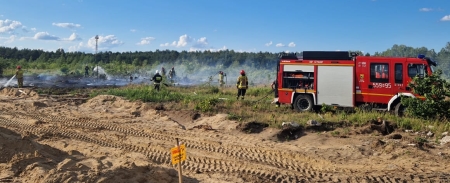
<point x="19" y="93"/>
<point x="19" y="151"/>
<point x="204" y="127"/>
<point x="290" y="133"/>
<point x="111" y="103"/>
<point x="252" y="127"/>
<point x="183" y="115"/>
<point x="382" y="126"/>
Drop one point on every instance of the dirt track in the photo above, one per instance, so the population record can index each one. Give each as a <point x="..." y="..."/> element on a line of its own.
<point x="108" y="139"/>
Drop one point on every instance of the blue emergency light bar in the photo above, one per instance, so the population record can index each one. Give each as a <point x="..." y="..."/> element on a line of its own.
<point x="421" y="56"/>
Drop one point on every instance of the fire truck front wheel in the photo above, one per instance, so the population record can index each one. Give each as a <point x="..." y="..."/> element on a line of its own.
<point x="399" y="109"/>
<point x="303" y="103"/>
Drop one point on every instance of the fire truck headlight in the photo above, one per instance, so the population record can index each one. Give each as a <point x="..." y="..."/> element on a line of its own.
<point x="421" y="56"/>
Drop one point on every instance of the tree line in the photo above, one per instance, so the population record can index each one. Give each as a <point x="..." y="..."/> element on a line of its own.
<point x="126" y="61"/>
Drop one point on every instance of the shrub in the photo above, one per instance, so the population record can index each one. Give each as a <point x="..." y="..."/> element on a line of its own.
<point x="206" y="105"/>
<point x="435" y="90"/>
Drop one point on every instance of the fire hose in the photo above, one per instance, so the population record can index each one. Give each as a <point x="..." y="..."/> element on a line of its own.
<point x="256" y="101"/>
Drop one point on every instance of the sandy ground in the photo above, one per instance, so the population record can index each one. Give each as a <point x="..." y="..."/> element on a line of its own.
<point x="109" y="139"/>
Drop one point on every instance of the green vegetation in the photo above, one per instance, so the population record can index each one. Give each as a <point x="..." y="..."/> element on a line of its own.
<point x="257" y="106"/>
<point x="435" y="90"/>
<point x="125" y="63"/>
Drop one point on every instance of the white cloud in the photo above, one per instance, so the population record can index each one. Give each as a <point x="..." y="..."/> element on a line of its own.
<point x="104" y="43"/>
<point x="7" y="26"/>
<point x="24" y="29"/>
<point x="9" y="39"/>
<point x="446" y="18"/>
<point x="174" y="43"/>
<point x="73" y="37"/>
<point x="291" y="44"/>
<point x="280" y="45"/>
<point x="48" y="37"/>
<point x="132" y="30"/>
<point x="146" y="40"/>
<point x="184" y="40"/>
<point x="33" y="29"/>
<point x="45" y="36"/>
<point x="426" y="9"/>
<point x="67" y="25"/>
<point x="269" y="43"/>
<point x="201" y="43"/>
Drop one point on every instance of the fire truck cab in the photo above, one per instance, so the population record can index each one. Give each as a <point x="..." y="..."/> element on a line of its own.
<point x="344" y="79"/>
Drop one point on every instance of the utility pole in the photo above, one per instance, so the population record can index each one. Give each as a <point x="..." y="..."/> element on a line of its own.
<point x="96" y="47"/>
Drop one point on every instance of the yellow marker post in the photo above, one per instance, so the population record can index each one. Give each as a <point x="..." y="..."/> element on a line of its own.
<point x="178" y="155"/>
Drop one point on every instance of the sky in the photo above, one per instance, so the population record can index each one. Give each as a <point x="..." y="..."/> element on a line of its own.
<point x="244" y="26"/>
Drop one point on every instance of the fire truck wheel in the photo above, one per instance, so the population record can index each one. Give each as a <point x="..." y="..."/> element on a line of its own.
<point x="399" y="109"/>
<point x="303" y="103"/>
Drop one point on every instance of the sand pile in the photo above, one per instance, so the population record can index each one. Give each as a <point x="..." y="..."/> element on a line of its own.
<point x="19" y="93"/>
<point x="25" y="160"/>
<point x="114" y="104"/>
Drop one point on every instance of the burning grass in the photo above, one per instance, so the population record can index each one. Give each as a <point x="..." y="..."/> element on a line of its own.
<point x="257" y="106"/>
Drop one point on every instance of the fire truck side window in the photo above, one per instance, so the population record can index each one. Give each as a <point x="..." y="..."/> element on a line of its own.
<point x="398" y="73"/>
<point x="416" y="69"/>
<point x="412" y="71"/>
<point x="379" y="72"/>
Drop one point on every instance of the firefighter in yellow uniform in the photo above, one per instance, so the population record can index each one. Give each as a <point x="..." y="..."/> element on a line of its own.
<point x="242" y="85"/>
<point x="221" y="82"/>
<point x="19" y="76"/>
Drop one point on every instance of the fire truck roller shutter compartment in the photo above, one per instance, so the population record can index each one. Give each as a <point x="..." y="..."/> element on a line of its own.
<point x="335" y="85"/>
<point x="299" y="68"/>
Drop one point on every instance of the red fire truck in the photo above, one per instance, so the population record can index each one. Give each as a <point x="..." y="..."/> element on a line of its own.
<point x="344" y="79"/>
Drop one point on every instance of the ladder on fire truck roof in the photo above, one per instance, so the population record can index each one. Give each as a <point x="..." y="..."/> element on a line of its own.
<point x="320" y="55"/>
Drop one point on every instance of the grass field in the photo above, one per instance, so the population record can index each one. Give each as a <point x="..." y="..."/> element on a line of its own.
<point x="256" y="107"/>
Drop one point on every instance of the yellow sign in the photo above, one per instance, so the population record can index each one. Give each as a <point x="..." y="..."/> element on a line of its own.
<point x="176" y="157"/>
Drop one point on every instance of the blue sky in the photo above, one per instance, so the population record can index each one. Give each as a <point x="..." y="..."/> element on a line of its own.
<point x="244" y="26"/>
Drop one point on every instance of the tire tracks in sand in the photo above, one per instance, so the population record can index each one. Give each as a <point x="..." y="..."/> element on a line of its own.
<point x="275" y="165"/>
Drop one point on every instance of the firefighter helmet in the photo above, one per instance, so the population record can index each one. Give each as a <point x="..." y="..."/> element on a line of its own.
<point x="242" y="72"/>
<point x="18" y="67"/>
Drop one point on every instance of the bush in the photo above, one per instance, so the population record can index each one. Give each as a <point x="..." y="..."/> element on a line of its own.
<point x="435" y="90"/>
<point x="206" y="105"/>
<point x="65" y="70"/>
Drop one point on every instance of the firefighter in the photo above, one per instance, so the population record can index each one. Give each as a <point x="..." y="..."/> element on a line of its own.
<point x="19" y="75"/>
<point x="274" y="87"/>
<point x="242" y="85"/>
<point x="172" y="74"/>
<point x="157" y="78"/>
<point x="86" y="71"/>
<point x="221" y="75"/>
<point x="163" y="71"/>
